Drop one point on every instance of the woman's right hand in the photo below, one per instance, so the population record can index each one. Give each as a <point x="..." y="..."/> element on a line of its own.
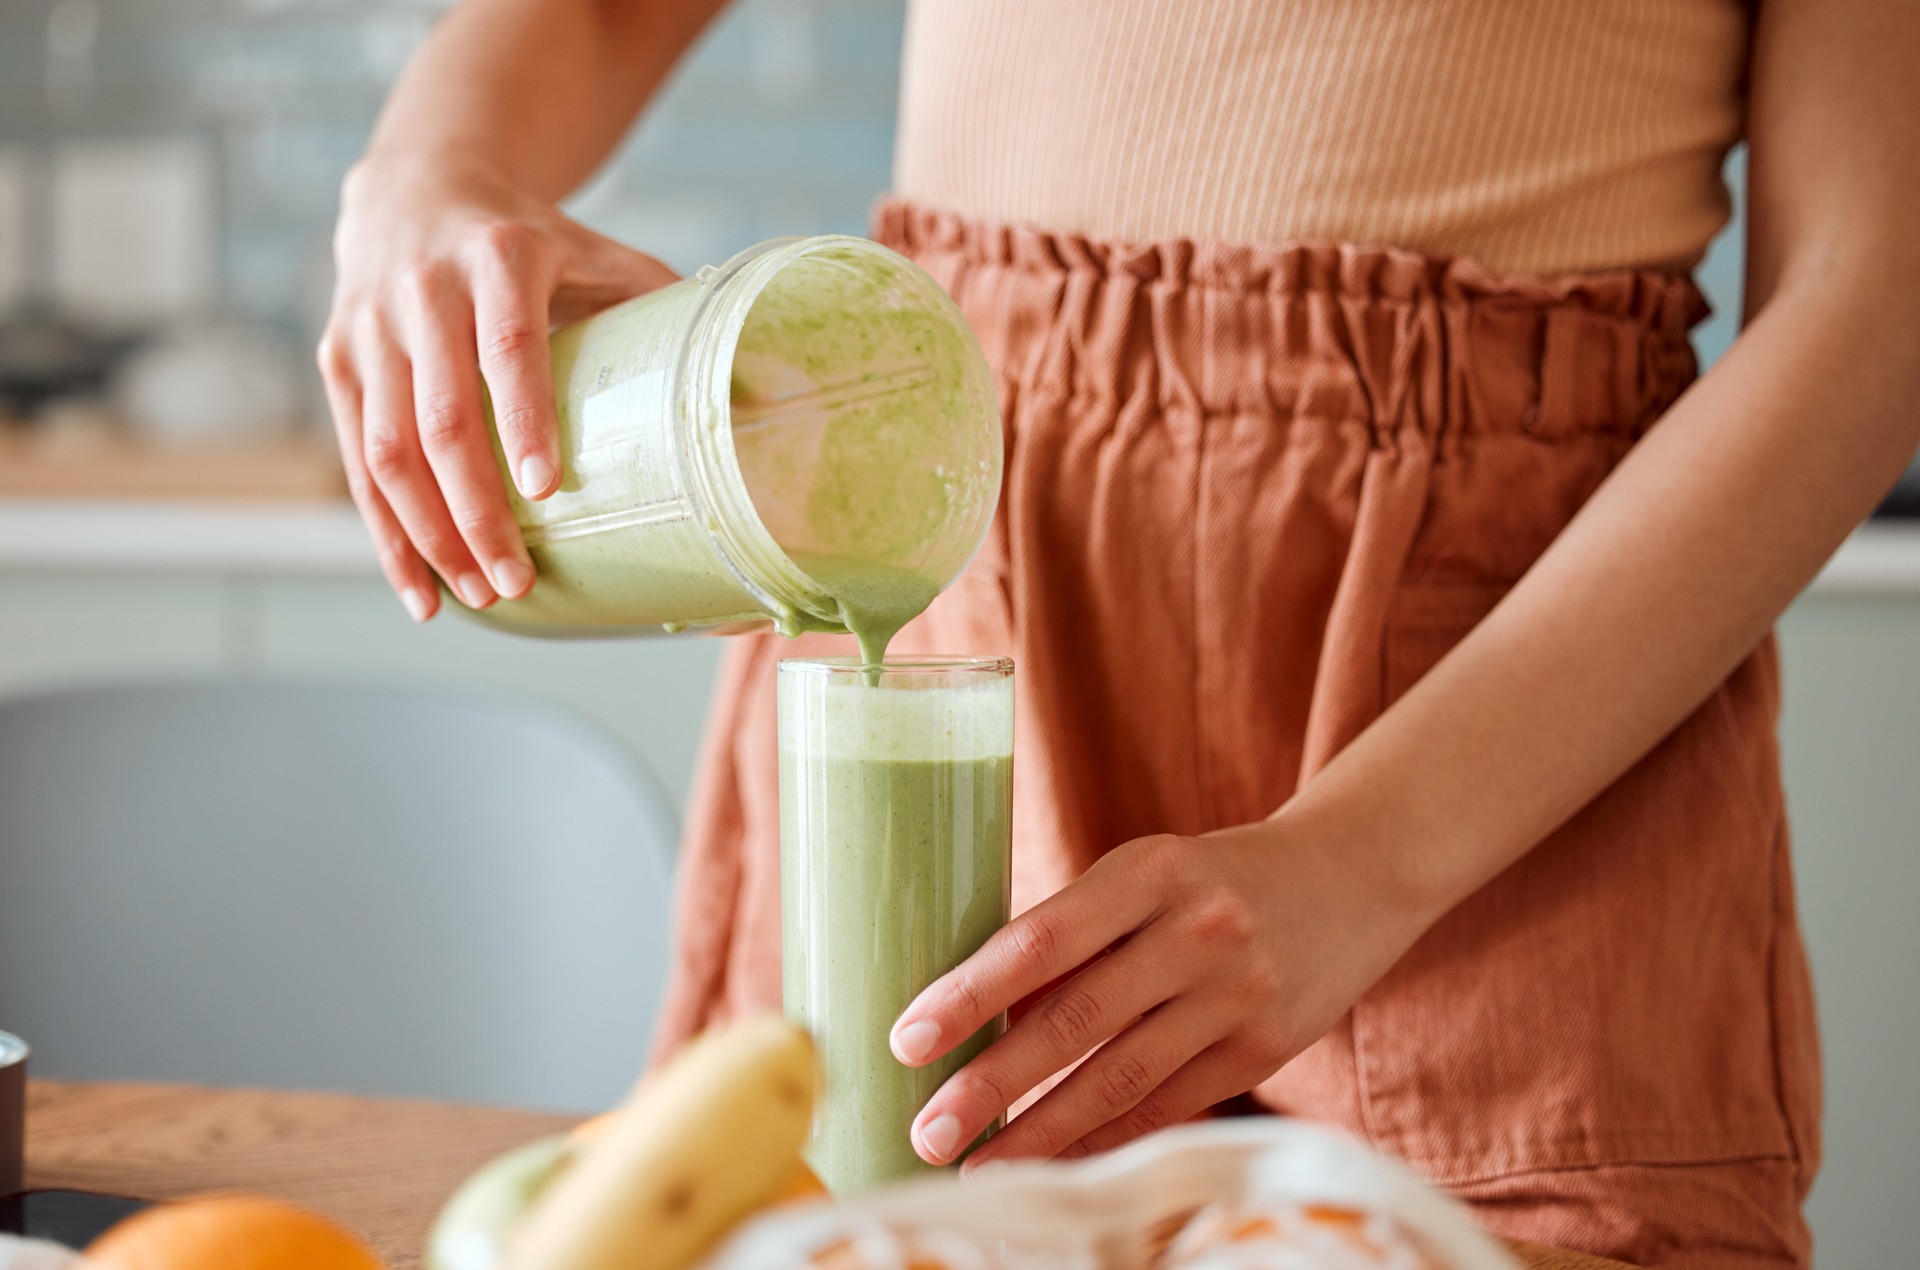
<point x="447" y="274"/>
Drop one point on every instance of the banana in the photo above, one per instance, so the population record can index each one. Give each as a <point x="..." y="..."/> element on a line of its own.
<point x="708" y="1139"/>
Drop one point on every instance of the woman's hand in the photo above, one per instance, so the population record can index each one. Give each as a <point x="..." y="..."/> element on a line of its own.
<point x="1197" y="966"/>
<point x="447" y="273"/>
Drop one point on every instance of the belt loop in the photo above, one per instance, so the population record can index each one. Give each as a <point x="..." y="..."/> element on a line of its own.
<point x="1633" y="376"/>
<point x="1460" y="406"/>
<point x="1502" y="356"/>
<point x="1562" y="355"/>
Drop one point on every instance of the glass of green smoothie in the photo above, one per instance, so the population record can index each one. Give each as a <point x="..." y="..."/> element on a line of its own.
<point x="896" y="803"/>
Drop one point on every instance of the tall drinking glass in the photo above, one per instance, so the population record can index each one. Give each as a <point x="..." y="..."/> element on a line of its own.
<point x="896" y="802"/>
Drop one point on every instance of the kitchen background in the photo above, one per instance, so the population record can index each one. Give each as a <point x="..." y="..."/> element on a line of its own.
<point x="170" y="509"/>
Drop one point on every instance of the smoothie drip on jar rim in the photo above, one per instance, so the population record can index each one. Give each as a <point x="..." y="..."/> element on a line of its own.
<point x="875" y="600"/>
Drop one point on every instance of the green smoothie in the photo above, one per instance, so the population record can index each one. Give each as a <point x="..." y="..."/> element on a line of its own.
<point x="874" y="600"/>
<point x="895" y="823"/>
<point x="817" y="446"/>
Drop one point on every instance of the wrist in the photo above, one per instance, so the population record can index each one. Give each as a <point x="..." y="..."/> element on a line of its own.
<point x="445" y="165"/>
<point x="1409" y="872"/>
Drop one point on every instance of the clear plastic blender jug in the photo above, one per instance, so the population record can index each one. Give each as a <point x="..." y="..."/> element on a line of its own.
<point x="811" y="399"/>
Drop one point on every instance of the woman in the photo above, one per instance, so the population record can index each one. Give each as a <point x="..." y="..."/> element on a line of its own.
<point x="1398" y="701"/>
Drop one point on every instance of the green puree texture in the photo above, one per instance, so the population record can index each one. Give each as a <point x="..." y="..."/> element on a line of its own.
<point x="875" y="600"/>
<point x="893" y="872"/>
<point x="858" y="430"/>
<point x="872" y="471"/>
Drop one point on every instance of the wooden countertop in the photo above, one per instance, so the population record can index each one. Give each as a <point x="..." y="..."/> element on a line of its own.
<point x="291" y="467"/>
<point x="379" y="1166"/>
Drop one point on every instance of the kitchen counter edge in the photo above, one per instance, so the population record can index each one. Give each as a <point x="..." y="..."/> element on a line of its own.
<point x="323" y="538"/>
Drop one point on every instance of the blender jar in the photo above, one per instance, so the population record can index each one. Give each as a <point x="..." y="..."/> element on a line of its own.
<point x="811" y="400"/>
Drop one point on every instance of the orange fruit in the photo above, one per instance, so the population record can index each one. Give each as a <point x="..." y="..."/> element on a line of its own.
<point x="229" y="1232"/>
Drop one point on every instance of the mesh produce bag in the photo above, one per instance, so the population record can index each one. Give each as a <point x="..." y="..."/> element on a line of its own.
<point x="1253" y="1194"/>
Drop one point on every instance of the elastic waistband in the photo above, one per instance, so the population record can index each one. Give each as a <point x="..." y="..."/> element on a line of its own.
<point x="1328" y="329"/>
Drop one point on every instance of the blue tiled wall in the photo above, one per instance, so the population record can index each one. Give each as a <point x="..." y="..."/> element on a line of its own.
<point x="780" y="122"/>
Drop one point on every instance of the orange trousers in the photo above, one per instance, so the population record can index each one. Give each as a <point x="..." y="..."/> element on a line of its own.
<point x="1252" y="495"/>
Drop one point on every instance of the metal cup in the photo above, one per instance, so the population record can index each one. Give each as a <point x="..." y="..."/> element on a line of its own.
<point x="13" y="1114"/>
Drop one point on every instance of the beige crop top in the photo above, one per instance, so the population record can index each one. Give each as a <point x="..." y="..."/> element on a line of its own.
<point x="1536" y="136"/>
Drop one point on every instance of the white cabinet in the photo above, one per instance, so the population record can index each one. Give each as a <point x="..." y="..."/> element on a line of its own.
<point x="67" y="627"/>
<point x="57" y="627"/>
<point x="651" y="692"/>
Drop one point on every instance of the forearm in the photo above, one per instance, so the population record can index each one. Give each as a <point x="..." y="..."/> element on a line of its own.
<point x="1648" y="600"/>
<point x="540" y="91"/>
<point x="1711" y="525"/>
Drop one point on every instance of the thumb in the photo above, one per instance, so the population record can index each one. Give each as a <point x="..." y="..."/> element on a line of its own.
<point x="600" y="272"/>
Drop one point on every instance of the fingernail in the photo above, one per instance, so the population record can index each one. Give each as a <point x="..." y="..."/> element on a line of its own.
<point x="940" y="1137"/>
<point x="512" y="577"/>
<point x="419" y="603"/>
<point x="535" y="475"/>
<point x="474" y="590"/>
<point x="914" y="1043"/>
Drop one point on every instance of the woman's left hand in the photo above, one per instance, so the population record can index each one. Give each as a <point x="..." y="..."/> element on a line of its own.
<point x="1196" y="966"/>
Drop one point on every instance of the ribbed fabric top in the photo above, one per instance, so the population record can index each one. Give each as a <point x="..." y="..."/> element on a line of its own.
<point x="1535" y="136"/>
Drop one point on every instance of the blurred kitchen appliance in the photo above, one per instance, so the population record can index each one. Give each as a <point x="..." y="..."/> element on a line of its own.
<point x="16" y="175"/>
<point x="101" y="243"/>
<point x="44" y="358"/>
<point x="134" y="228"/>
